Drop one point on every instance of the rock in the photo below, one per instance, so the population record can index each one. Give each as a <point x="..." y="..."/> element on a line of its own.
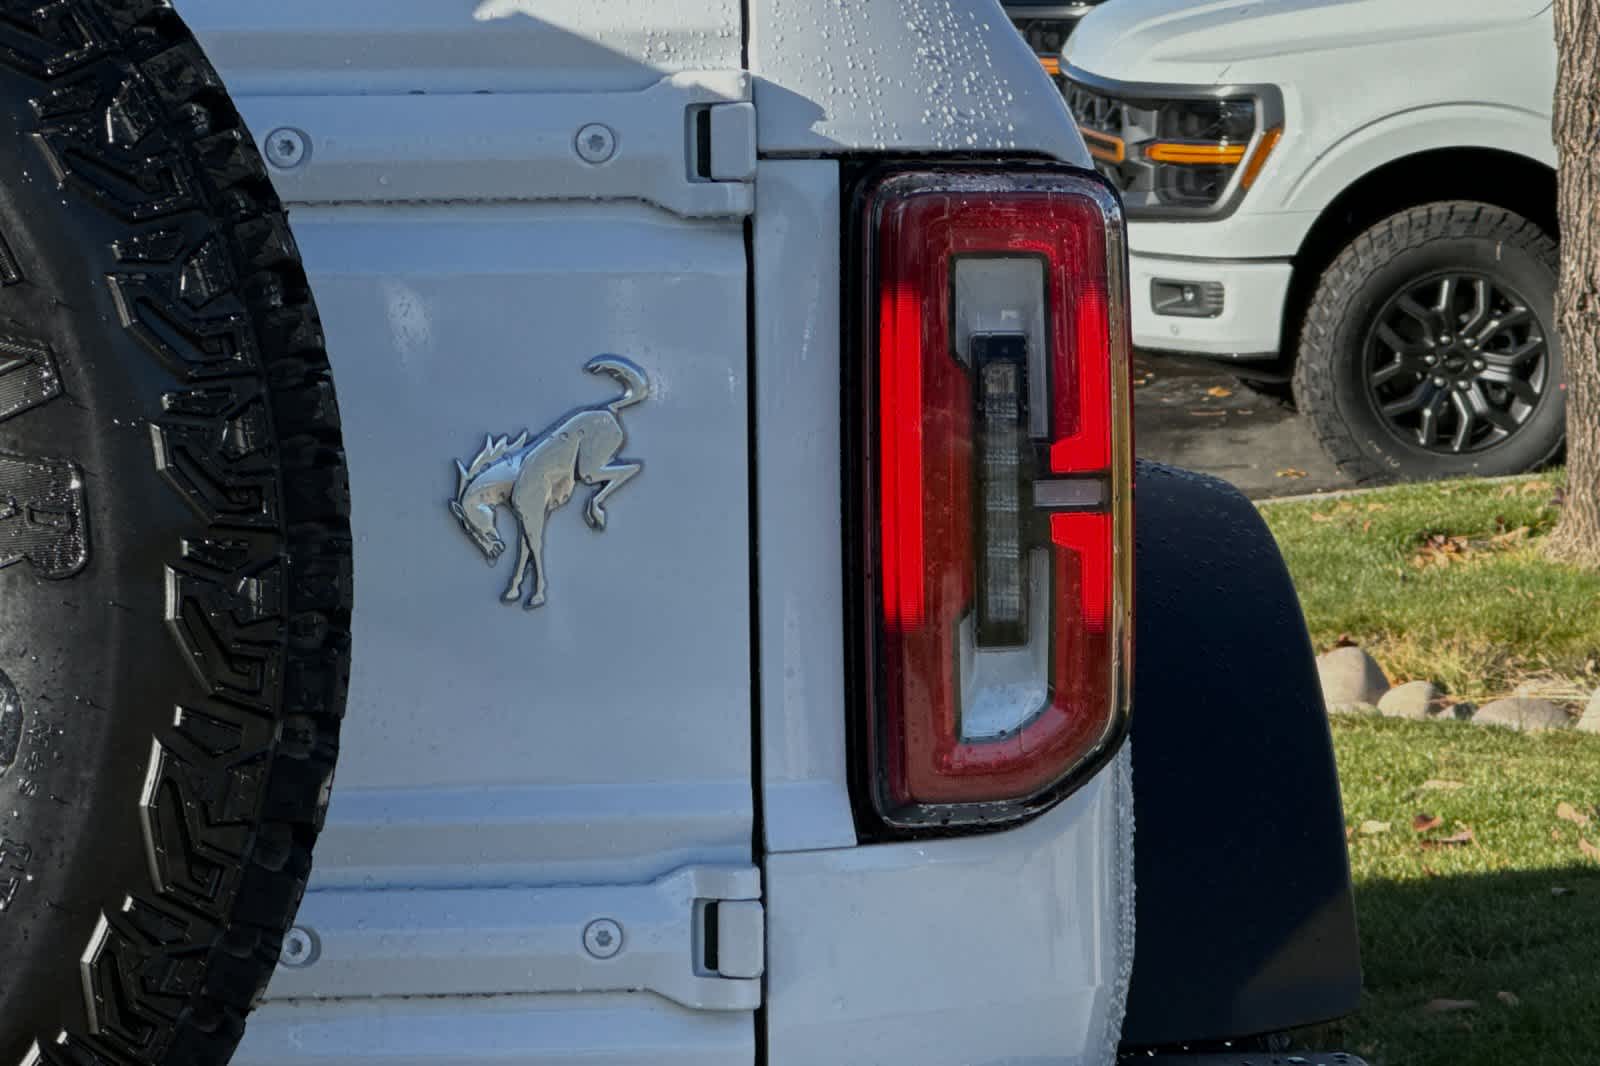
<point x="1354" y="708"/>
<point x="1590" y="722"/>
<point x="1350" y="676"/>
<point x="1418" y="700"/>
<point x="1524" y="713"/>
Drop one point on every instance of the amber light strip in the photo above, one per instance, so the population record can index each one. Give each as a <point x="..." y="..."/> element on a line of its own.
<point x="1195" y="154"/>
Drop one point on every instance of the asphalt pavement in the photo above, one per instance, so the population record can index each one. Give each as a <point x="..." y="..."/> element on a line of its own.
<point x="1200" y="417"/>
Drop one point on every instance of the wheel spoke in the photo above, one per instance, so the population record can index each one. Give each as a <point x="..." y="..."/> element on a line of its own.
<point x="1415" y="400"/>
<point x="1429" y="319"/>
<point x="1447" y="298"/>
<point x="1480" y="306"/>
<point x="1398" y="344"/>
<point x="1498" y="417"/>
<point x="1385" y="374"/>
<point x="1526" y="350"/>
<point x="1521" y="388"/>
<point x="1428" y="426"/>
<point x="1515" y="317"/>
<point x="1464" y="422"/>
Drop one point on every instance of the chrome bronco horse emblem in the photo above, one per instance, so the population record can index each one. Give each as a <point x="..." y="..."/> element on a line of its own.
<point x="537" y="477"/>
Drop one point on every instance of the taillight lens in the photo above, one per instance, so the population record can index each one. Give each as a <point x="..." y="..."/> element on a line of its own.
<point x="997" y="490"/>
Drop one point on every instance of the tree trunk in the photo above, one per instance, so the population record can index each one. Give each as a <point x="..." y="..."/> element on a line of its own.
<point x="1577" y="137"/>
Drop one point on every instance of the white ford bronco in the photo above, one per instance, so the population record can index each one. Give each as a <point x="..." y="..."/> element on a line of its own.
<point x="1358" y="196"/>
<point x="774" y="358"/>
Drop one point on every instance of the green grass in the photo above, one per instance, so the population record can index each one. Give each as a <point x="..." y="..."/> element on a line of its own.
<point x="1448" y="582"/>
<point x="1475" y="614"/>
<point x="1514" y="912"/>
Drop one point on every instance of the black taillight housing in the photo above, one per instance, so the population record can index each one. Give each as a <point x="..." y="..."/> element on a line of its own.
<point x="994" y="511"/>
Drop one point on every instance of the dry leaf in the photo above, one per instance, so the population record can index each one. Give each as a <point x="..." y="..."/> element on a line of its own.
<point x="1366" y="527"/>
<point x="1509" y="537"/>
<point x="1201" y="413"/>
<point x="1321" y="517"/>
<point x="1567" y="812"/>
<point x="1371" y="507"/>
<point x="1464" y="836"/>
<point x="1441" y="549"/>
<point x="1421" y="823"/>
<point x="1588" y="849"/>
<point x="1560" y="890"/>
<point x="1510" y="999"/>
<point x="1442" y="785"/>
<point x="1445" y="1006"/>
<point x="1292" y="471"/>
<point x="1218" y="391"/>
<point x="1372" y="828"/>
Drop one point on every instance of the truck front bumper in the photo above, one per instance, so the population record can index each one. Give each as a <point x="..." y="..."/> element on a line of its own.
<point x="1221" y="308"/>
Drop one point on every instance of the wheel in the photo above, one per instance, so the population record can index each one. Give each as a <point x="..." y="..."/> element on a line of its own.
<point x="1430" y="349"/>
<point x="174" y="548"/>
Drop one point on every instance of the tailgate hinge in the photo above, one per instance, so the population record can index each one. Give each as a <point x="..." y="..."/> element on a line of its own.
<point x="687" y="143"/>
<point x="696" y="936"/>
<point x="724" y="145"/>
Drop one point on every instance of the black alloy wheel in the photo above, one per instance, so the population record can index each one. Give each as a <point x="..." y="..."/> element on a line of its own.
<point x="1457" y="362"/>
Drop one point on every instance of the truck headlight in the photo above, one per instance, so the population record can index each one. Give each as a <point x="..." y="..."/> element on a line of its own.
<point x="1176" y="155"/>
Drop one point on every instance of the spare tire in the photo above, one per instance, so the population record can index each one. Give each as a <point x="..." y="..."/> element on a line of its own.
<point x="175" y="577"/>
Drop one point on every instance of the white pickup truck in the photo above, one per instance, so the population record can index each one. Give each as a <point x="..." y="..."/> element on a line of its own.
<point x="774" y="358"/>
<point x="1358" y="195"/>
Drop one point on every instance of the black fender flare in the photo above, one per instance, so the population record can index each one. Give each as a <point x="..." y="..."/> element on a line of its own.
<point x="1245" y="920"/>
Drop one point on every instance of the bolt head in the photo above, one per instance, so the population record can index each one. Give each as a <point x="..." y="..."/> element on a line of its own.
<point x="1430" y="359"/>
<point x="300" y="948"/>
<point x="1439" y="382"/>
<point x="1478" y="364"/>
<point x="287" y="148"/>
<point x="1470" y="343"/>
<point x="602" y="938"/>
<point x="1463" y="385"/>
<point x="1444" y="338"/>
<point x="595" y="143"/>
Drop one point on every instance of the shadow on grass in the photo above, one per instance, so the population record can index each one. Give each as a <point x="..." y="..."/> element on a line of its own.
<point x="1522" y="946"/>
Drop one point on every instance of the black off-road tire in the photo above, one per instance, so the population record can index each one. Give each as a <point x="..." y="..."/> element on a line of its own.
<point x="175" y="579"/>
<point x="1329" y="383"/>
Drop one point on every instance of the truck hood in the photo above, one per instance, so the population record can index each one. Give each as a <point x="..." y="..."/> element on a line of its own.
<point x="1184" y="41"/>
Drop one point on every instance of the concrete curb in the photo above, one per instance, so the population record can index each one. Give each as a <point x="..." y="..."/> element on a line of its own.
<point x="1339" y="494"/>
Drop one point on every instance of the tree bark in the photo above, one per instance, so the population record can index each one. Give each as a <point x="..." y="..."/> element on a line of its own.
<point x="1577" y="137"/>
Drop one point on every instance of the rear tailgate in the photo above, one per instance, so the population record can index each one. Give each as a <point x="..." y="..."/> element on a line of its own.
<point x="540" y="806"/>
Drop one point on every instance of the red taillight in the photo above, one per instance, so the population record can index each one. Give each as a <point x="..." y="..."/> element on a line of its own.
<point x="997" y="490"/>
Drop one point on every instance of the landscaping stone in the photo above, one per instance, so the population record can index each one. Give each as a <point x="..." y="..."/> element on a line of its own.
<point x="1368" y="709"/>
<point x="1417" y="700"/>
<point x="1525" y="714"/>
<point x="1350" y="676"/>
<point x="1590" y="722"/>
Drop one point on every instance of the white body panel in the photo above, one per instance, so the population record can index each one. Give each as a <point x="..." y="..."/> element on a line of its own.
<point x="510" y="776"/>
<point x="995" y="949"/>
<point x="1364" y="83"/>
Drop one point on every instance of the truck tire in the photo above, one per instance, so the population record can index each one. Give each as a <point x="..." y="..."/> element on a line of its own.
<point x="1430" y="350"/>
<point x="175" y="577"/>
